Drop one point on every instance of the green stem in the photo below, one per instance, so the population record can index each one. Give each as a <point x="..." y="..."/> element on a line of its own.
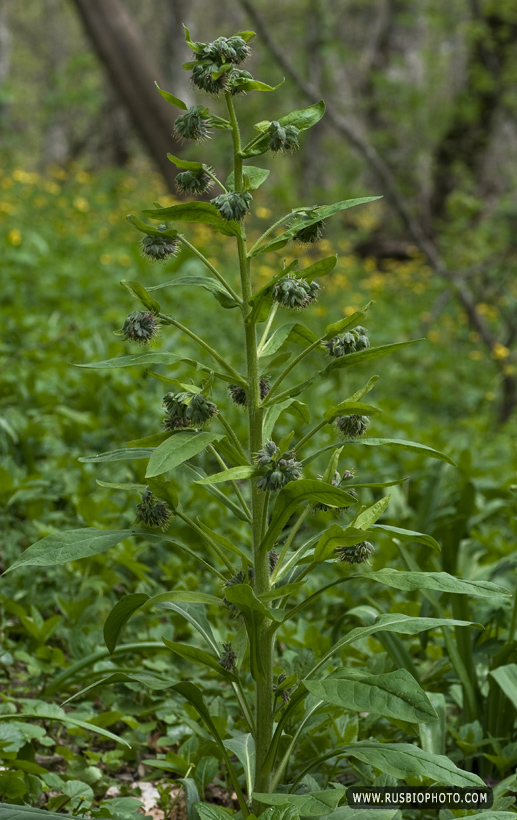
<point x="168" y="320"/>
<point x="234" y="484"/>
<point x="310" y="434"/>
<point x="216" y="548"/>
<point x="233" y="437"/>
<point x="292" y="535"/>
<point x="211" y="268"/>
<point x="513" y="624"/>
<point x="264" y="685"/>
<point x="271" y="229"/>
<point x="217" y="181"/>
<point x="292" y="365"/>
<point x="271" y="316"/>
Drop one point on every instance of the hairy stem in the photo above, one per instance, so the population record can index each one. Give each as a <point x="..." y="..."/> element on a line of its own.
<point x="169" y="320"/>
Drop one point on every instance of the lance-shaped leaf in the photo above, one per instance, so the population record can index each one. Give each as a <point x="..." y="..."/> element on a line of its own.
<point x="295" y="408"/>
<point x="185" y="165"/>
<point x="193" y="653"/>
<point x="245" y="599"/>
<point x="349" y="813"/>
<point x="233" y="474"/>
<point x="243" y="747"/>
<point x="254" y="85"/>
<point x="349" y="322"/>
<point x="120" y="615"/>
<point x="143" y="359"/>
<point x="55" y="713"/>
<point x="400" y="444"/>
<point x="314" y="804"/>
<point x="403" y="760"/>
<point x="317" y="214"/>
<point x="177" y="449"/>
<point x="201" y="212"/>
<point x="153" y="682"/>
<point x="302" y="118"/>
<point x="368" y="516"/>
<point x="334" y="537"/>
<point x="125" y="454"/>
<point x="139" y="292"/>
<point x="407" y="535"/>
<point x="150" y="230"/>
<point x="293" y="494"/>
<point x="211" y="285"/>
<point x="253" y="178"/>
<point x="290" y="332"/>
<point x="394" y="694"/>
<point x="72" y="545"/>
<point x="171" y="98"/>
<point x="440" y="581"/>
<point x="348" y="408"/>
<point x="506" y="679"/>
<point x="195" y="615"/>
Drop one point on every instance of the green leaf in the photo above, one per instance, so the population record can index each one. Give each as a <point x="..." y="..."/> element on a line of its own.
<point x="211" y="285"/>
<point x="291" y="332"/>
<point x="126" y="487"/>
<point x="61" y="547"/>
<point x="185" y="596"/>
<point x="281" y="591"/>
<point x="192" y="653"/>
<point x="243" y="747"/>
<point x="196" y="616"/>
<point x="149" y="229"/>
<point x="393" y="694"/>
<point x="142" y="359"/>
<point x="295" y="408"/>
<point x="506" y="679"/>
<point x="223" y="542"/>
<point x="407" y="535"/>
<point x="403" y="760"/>
<point x="210" y="811"/>
<point x="314" y="804"/>
<point x="353" y="359"/>
<point x="254" y="177"/>
<point x="245" y="599"/>
<point x="170" y="98"/>
<point x="55" y="713"/>
<point x="433" y="735"/>
<point x="366" y="389"/>
<point x="233" y="474"/>
<point x="119" y="616"/>
<point x="320" y="268"/>
<point x="177" y="449"/>
<point x="147" y="679"/>
<point x="139" y="292"/>
<point x="367" y="517"/>
<point x="334" y="537"/>
<point x="348" y="408"/>
<point x="349" y="813"/>
<point x="400" y="444"/>
<point x="254" y="85"/>
<point x="201" y="212"/>
<point x="185" y="164"/>
<point x="125" y="454"/>
<point x="302" y="118"/>
<point x="349" y="322"/>
<point x="293" y="494"/>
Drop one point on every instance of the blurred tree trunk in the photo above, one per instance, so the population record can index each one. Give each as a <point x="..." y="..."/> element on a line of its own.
<point x="5" y="60"/>
<point x="119" y="45"/>
<point x="465" y="141"/>
<point x="177" y="12"/>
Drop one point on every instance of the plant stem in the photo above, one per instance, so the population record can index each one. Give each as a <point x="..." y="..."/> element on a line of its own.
<point x="271" y="316"/>
<point x="271" y="229"/>
<point x="211" y="449"/>
<point x="303" y="515"/>
<point x="168" y="320"/>
<point x="513" y="624"/>
<point x="216" y="548"/>
<point x="264" y="685"/>
<point x="310" y="434"/>
<point x="233" y="437"/>
<point x="211" y="267"/>
<point x="217" y="181"/>
<point x="293" y="364"/>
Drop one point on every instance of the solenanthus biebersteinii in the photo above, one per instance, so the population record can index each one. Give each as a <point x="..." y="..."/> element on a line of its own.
<point x="278" y="469"/>
<point x="153" y="511"/>
<point x="295" y="294"/>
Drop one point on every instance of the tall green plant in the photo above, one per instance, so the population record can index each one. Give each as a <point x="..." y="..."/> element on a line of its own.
<point x="265" y="484"/>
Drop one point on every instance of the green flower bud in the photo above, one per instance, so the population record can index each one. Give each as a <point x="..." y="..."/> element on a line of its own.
<point x="338" y="481"/>
<point x="352" y="426"/>
<point x="349" y="342"/>
<point x="277" y="470"/>
<point x="153" y="511"/>
<point x="358" y="554"/>
<point x="160" y="248"/>
<point x="234" y="77"/>
<point x="233" y="205"/>
<point x="176" y="405"/>
<point x="228" y="657"/>
<point x="265" y="456"/>
<point x="202" y="78"/>
<point x="193" y="182"/>
<point x="295" y="294"/>
<point x="310" y="234"/>
<point x="239" y="395"/>
<point x="140" y="326"/>
<point x="192" y="125"/>
<point x="200" y="409"/>
<point x="224" y="50"/>
<point x="283" y="138"/>
<point x="238" y="578"/>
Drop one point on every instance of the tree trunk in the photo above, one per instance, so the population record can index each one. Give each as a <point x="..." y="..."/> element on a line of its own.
<point x="132" y="72"/>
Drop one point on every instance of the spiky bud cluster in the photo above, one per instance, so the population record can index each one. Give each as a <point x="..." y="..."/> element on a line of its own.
<point x="358" y="554"/>
<point x="193" y="125"/>
<point x="284" y="693"/>
<point x="228" y="657"/>
<point x="239" y="395"/>
<point x="186" y="409"/>
<point x="224" y="50"/>
<point x="233" y="205"/>
<point x="234" y="83"/>
<point x="159" y="248"/>
<point x="273" y="560"/>
<point x="310" y="233"/>
<point x="239" y="578"/>
<point x="295" y="294"/>
<point x="153" y="511"/>
<point x="349" y="342"/>
<point x="278" y="469"/>
<point x="193" y="182"/>
<point x="352" y="426"/>
<point x="283" y="137"/>
<point x="203" y="79"/>
<point x="338" y="480"/>
<point x="140" y="326"/>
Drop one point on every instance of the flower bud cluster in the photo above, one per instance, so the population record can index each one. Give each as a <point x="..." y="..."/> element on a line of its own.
<point x="153" y="511"/>
<point x="224" y="50"/>
<point x="358" y="554"/>
<point x="159" y="248"/>
<point x="338" y="480"/>
<point x="211" y="57"/>
<point x="239" y="395"/>
<point x="284" y="693"/>
<point x="295" y="294"/>
<point x="278" y="469"/>
<point x="352" y="426"/>
<point x="193" y="125"/>
<point x="140" y="326"/>
<point x="310" y="234"/>
<point x="228" y="657"/>
<point x="283" y="137"/>
<point x="187" y="409"/>
<point x="233" y="205"/>
<point x="239" y="578"/>
<point x="350" y="342"/>
<point x="193" y="182"/>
